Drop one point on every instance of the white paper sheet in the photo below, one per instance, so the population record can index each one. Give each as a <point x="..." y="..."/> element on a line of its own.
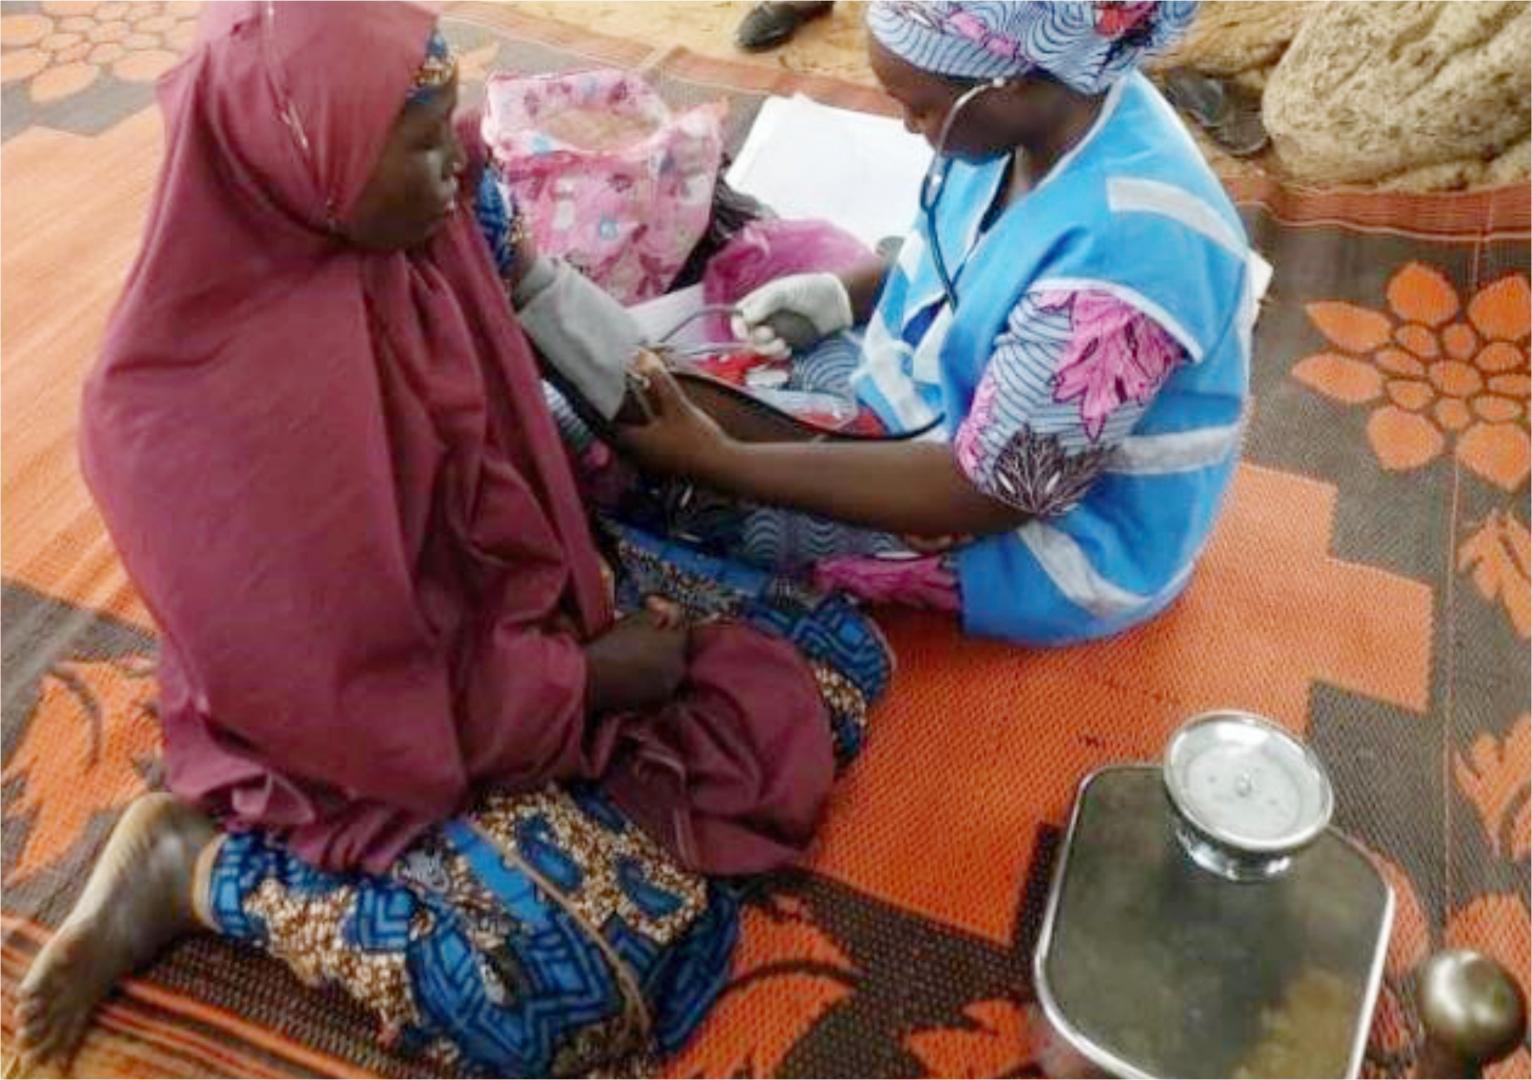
<point x="859" y="171"/>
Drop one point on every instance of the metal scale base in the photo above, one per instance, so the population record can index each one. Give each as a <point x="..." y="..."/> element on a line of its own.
<point x="1152" y="966"/>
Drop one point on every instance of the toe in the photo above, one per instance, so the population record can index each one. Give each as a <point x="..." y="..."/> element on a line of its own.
<point x="64" y="1050"/>
<point x="42" y="1066"/>
<point x="35" y="1062"/>
<point x="51" y="1064"/>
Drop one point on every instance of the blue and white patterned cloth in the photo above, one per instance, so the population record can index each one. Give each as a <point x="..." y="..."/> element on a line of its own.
<point x="538" y="935"/>
<point x="1067" y="380"/>
<point x="1085" y="44"/>
<point x="496" y="217"/>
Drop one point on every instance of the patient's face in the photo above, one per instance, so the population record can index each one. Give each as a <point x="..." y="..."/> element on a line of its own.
<point x="414" y="186"/>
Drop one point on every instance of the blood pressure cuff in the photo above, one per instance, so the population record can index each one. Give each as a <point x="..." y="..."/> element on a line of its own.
<point x="584" y="335"/>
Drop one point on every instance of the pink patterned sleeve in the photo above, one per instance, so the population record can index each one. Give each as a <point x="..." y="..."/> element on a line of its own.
<point x="1067" y="380"/>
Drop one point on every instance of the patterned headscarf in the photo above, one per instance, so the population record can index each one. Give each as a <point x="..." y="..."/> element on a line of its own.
<point x="437" y="69"/>
<point x="1085" y="44"/>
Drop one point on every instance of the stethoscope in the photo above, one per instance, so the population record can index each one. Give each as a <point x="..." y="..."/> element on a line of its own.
<point x="931" y="187"/>
<point x="688" y="354"/>
<point x="936" y="180"/>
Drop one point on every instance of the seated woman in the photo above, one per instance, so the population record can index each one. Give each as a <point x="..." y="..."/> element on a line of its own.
<point x="1069" y="324"/>
<point x="438" y="772"/>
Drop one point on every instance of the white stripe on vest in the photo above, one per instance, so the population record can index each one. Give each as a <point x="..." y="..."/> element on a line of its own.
<point x="1177" y="452"/>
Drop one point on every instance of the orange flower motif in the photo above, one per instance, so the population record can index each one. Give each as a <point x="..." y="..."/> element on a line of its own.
<point x="1438" y="374"/>
<point x="89" y="738"/>
<point x="1494" y="777"/>
<point x="61" y="49"/>
<point x="993" y="1039"/>
<point x="1499" y="555"/>
<point x="787" y="974"/>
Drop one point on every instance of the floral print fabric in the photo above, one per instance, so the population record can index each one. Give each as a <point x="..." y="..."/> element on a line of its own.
<point x="609" y="178"/>
<point x="1085" y="44"/>
<point x="1068" y="379"/>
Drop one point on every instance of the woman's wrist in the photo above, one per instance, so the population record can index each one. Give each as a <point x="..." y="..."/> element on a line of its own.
<point x="721" y="464"/>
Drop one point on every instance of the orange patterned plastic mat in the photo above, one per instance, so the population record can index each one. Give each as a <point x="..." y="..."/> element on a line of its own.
<point x="1368" y="587"/>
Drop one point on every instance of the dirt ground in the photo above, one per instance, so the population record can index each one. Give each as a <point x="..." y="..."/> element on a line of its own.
<point x="832" y="45"/>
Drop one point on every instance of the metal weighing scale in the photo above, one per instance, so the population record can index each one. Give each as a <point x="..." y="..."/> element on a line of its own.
<point x="1205" y="920"/>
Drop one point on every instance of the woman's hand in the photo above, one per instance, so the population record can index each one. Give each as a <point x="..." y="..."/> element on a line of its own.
<point x="679" y="438"/>
<point x="637" y="664"/>
<point x="526" y="254"/>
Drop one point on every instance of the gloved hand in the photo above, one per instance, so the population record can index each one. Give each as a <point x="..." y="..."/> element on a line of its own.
<point x="819" y="300"/>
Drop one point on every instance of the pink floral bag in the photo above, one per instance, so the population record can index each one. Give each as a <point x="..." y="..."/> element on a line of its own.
<point x="607" y="176"/>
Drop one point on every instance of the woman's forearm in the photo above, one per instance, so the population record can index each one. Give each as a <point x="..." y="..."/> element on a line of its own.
<point x="911" y="488"/>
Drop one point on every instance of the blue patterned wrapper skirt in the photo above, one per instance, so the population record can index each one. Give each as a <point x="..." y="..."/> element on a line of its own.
<point x="543" y="933"/>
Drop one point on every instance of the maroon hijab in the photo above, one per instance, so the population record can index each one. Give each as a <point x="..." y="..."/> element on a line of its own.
<point x="332" y="476"/>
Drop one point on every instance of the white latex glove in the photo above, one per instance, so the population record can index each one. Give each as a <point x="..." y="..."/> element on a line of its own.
<point x="820" y="299"/>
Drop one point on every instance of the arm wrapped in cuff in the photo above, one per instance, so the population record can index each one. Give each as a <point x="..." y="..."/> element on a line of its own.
<point x="585" y="335"/>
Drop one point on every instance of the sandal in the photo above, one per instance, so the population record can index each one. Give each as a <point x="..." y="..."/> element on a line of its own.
<point x="771" y="24"/>
<point x="1229" y="113"/>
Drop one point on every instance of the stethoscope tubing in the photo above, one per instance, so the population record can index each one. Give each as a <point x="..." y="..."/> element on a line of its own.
<point x="935" y="181"/>
<point x="931" y="187"/>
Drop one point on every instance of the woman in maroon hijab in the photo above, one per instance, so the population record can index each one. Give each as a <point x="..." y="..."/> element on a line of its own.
<point x="443" y="773"/>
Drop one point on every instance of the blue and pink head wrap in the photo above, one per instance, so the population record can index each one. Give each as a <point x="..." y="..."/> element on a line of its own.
<point x="1085" y="44"/>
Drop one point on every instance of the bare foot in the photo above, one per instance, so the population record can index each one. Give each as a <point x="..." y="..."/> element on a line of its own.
<point x="138" y="900"/>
